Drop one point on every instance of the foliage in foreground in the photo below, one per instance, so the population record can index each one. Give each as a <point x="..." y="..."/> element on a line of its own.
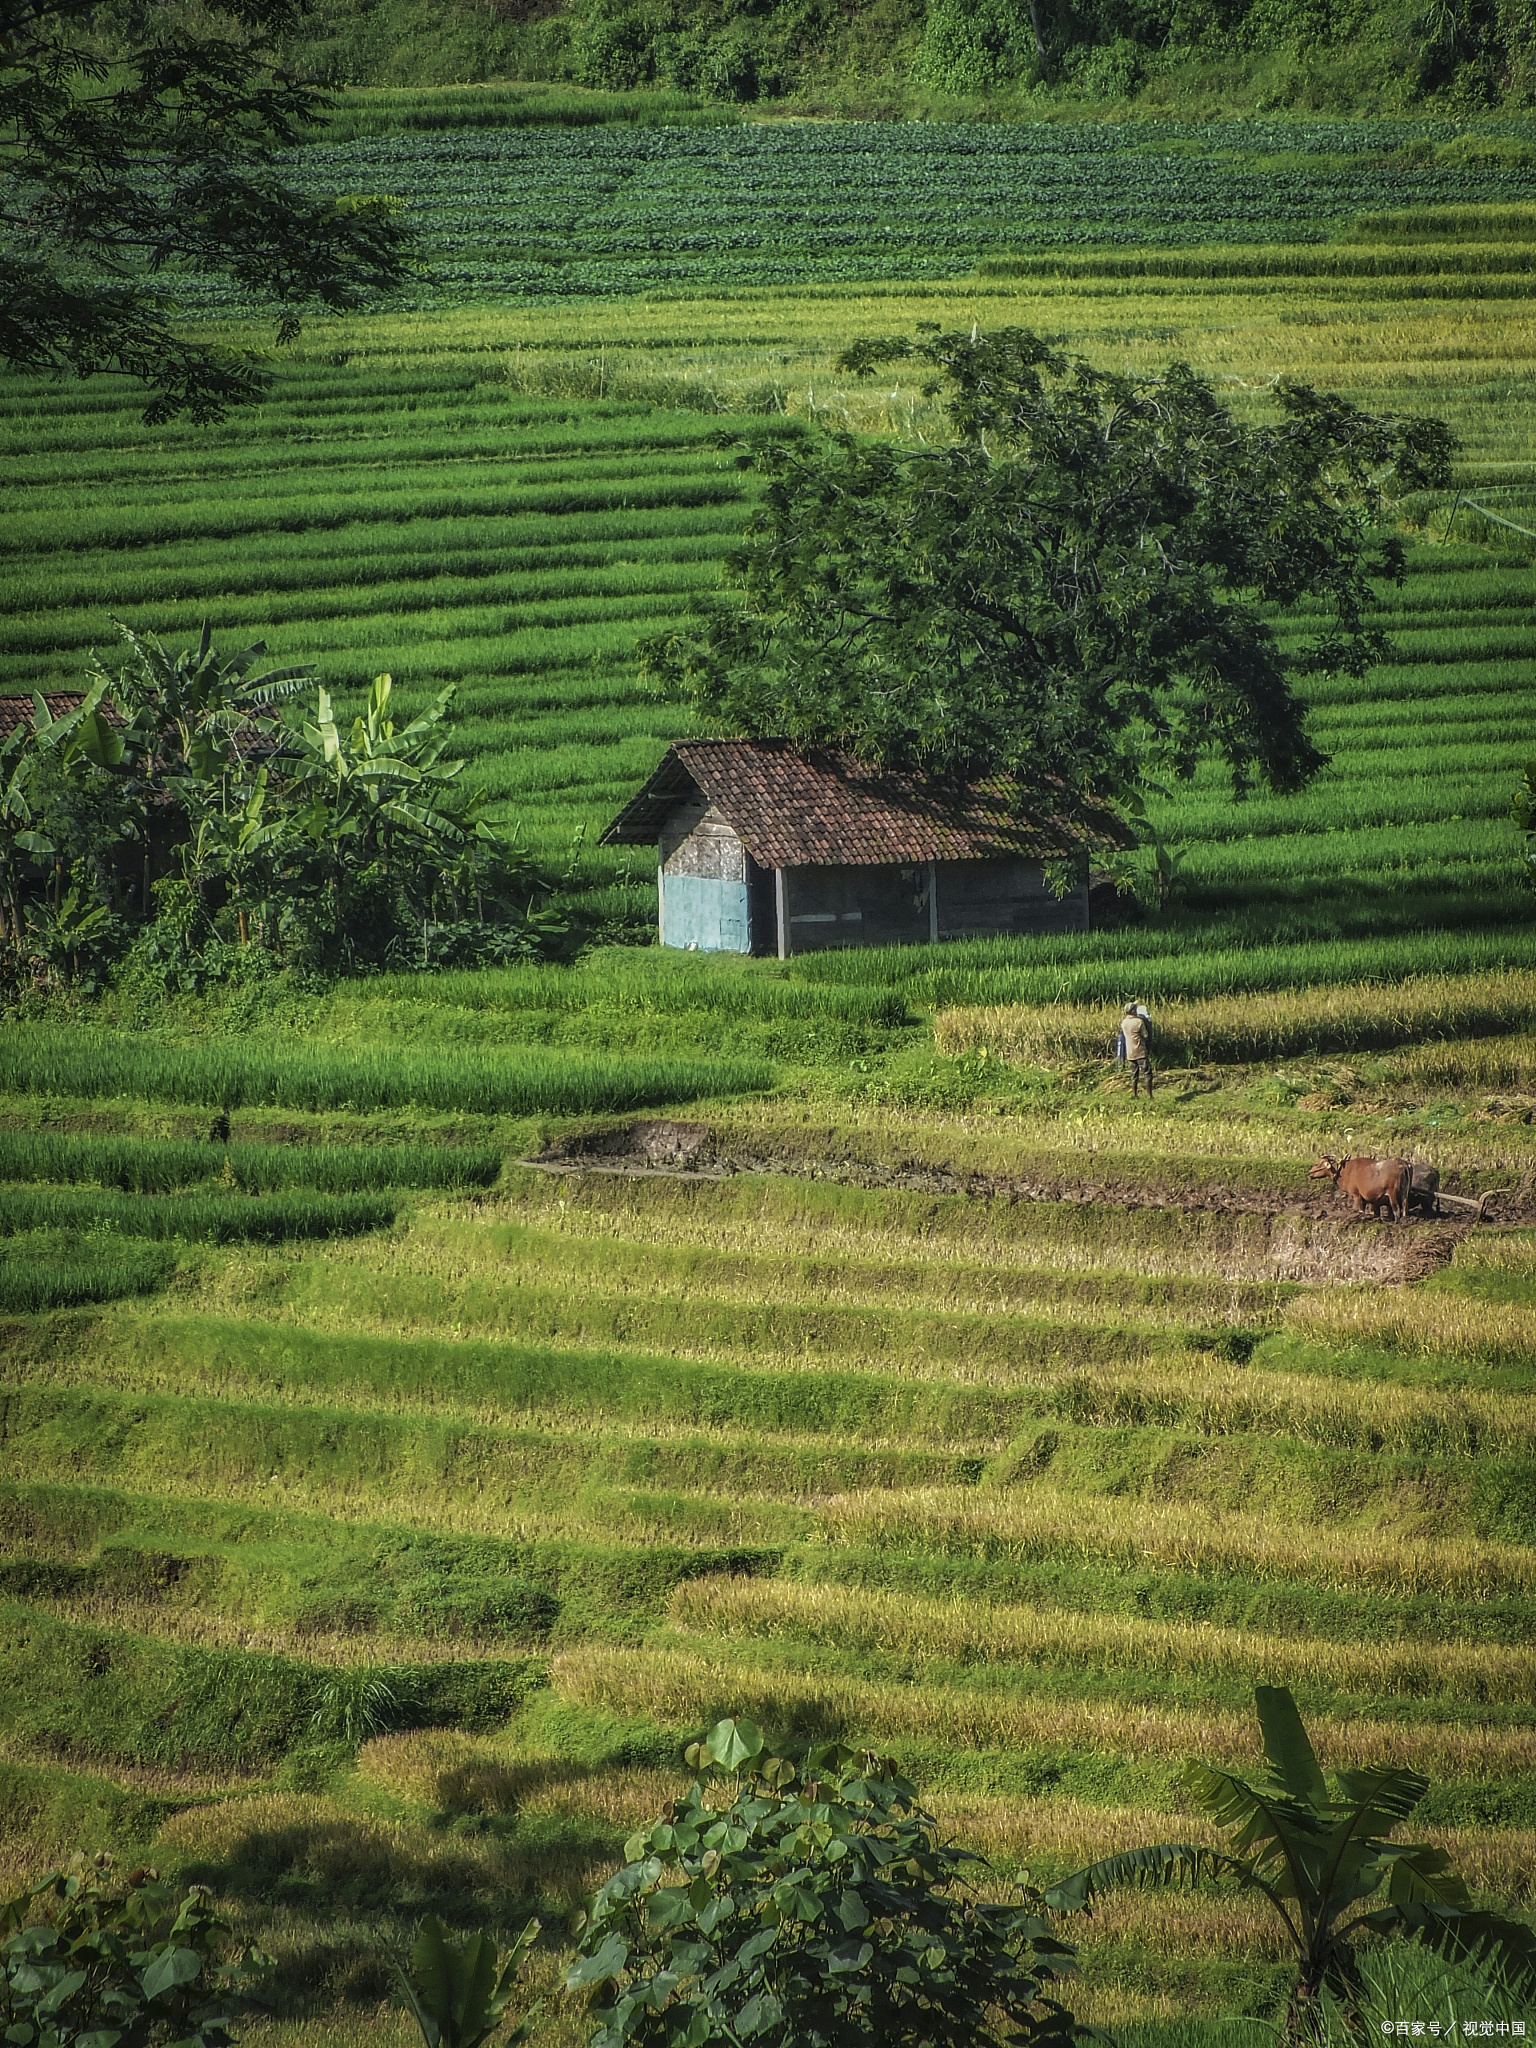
<point x="802" y="1907"/>
<point x="1318" y="1853"/>
<point x="176" y="808"/>
<point x="458" y="1990"/>
<point x="1076" y="592"/>
<point x="88" y="1960"/>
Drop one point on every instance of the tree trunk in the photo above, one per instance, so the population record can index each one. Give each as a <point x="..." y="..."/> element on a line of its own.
<point x="1034" y="23"/>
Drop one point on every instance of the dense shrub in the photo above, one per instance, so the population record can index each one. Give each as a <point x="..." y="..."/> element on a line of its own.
<point x="818" y="1907"/>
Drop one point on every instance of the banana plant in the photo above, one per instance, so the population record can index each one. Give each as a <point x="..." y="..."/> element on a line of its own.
<point x="1319" y="1851"/>
<point x="87" y="732"/>
<point x="60" y="932"/>
<point x="191" y="714"/>
<point x="1523" y="811"/>
<point x="23" y="844"/>
<point x="382" y="781"/>
<point x="458" y="1990"/>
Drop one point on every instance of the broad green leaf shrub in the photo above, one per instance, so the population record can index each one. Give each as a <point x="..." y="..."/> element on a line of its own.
<point x="1320" y="1851"/>
<point x="802" y="1906"/>
<point x="88" y="1959"/>
<point x="977" y="46"/>
<point x="458" y="1989"/>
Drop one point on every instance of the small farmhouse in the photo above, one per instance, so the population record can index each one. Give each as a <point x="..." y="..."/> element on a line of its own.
<point x="762" y="848"/>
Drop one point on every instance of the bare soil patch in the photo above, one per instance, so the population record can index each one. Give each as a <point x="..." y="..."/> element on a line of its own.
<point x="1312" y="1235"/>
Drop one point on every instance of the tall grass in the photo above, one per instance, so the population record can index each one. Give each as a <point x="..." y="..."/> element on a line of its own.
<point x="144" y="1166"/>
<point x="397" y="110"/>
<point x="235" y="1075"/>
<point x="208" y="1218"/>
<point x="660" y="984"/>
<point x="1228" y="957"/>
<point x="1206" y="1541"/>
<point x="52" y="1274"/>
<point x="970" y="1632"/>
<point x="1276" y="1025"/>
<point x="689" y="1689"/>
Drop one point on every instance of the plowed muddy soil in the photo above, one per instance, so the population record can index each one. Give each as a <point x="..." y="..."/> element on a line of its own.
<point x="1312" y="1235"/>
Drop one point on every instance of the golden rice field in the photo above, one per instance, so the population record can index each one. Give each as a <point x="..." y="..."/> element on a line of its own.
<point x="1022" y="1436"/>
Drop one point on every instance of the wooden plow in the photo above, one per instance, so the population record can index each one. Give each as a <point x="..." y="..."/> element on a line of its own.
<point x="1427" y="1196"/>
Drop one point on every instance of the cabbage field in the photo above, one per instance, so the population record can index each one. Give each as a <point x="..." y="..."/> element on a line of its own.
<point x="557" y="212"/>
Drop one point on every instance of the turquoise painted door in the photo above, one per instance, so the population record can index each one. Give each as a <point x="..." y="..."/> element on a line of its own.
<point x="709" y="915"/>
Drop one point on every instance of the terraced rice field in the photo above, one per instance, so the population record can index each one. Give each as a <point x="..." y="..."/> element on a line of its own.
<point x="509" y="499"/>
<point x="561" y="213"/>
<point x="380" y="1512"/>
<point x="1018" y="1429"/>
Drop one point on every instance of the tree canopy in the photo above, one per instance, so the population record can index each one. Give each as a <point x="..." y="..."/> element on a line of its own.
<point x="1080" y="589"/>
<point x="134" y="142"/>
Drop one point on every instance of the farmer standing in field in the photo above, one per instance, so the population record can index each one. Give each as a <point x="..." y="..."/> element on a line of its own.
<point x="1135" y="1047"/>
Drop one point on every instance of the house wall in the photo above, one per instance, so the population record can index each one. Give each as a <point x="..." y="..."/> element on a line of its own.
<point x="703" y="883"/>
<point x="978" y="898"/>
<point x="715" y="898"/>
<point x="865" y="906"/>
<point x="891" y="905"/>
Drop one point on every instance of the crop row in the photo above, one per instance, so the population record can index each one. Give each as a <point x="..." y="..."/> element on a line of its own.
<point x="572" y="1485"/>
<point x="211" y="1218"/>
<point x="1097" y="967"/>
<point x="636" y="210"/>
<point x="233" y="1075"/>
<point x="960" y="1396"/>
<point x="1125" y="1558"/>
<point x="147" y="1166"/>
<point x="529" y="579"/>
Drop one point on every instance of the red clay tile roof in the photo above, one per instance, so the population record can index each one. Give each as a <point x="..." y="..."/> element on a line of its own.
<point x="825" y="809"/>
<point x="16" y="711"/>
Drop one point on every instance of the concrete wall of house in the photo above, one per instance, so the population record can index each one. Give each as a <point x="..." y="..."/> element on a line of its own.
<point x="714" y="898"/>
<point x="911" y="905"/>
<point x="704" y="883"/>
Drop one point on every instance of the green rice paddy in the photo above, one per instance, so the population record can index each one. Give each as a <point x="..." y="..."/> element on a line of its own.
<point x="391" y="1485"/>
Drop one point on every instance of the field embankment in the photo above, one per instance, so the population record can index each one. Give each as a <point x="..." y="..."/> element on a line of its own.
<point x="390" y="1558"/>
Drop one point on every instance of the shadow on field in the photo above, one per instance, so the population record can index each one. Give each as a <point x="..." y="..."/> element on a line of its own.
<point x="292" y="1865"/>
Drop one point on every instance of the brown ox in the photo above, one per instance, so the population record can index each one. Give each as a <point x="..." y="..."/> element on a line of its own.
<point x="1371" y="1184"/>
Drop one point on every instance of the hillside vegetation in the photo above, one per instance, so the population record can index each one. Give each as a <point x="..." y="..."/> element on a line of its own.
<point x="1014" y="58"/>
<point x="508" y="498"/>
<point x="429" y="1400"/>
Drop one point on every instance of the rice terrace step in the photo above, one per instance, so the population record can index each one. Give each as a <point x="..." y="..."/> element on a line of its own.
<point x="450" y="1363"/>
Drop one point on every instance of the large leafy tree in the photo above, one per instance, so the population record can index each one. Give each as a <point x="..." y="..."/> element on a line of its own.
<point x="1318" y="1850"/>
<point x="810" y="1906"/>
<point x="135" y="141"/>
<point x="1079" y="589"/>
